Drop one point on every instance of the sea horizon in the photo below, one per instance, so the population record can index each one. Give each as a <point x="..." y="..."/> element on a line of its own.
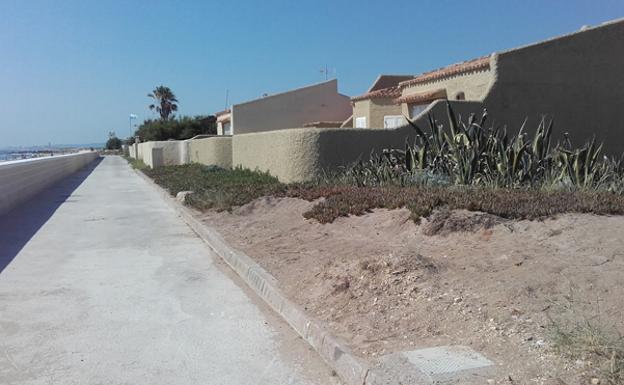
<point x="28" y="152"/>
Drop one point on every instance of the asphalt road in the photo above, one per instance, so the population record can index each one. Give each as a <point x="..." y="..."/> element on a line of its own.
<point x="102" y="283"/>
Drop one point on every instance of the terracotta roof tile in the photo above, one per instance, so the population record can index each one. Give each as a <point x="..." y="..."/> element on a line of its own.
<point x="482" y="63"/>
<point x="388" y="93"/>
<point x="422" y="97"/>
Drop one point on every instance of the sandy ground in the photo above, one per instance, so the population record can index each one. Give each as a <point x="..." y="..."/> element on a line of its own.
<point x="385" y="284"/>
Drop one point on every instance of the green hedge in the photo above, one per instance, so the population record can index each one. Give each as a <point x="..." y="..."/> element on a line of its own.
<point x="178" y="129"/>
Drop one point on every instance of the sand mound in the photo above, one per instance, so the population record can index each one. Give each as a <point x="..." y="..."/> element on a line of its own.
<point x="444" y="222"/>
<point x="385" y="284"/>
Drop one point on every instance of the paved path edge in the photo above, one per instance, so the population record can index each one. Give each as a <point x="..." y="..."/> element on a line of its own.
<point x="351" y="369"/>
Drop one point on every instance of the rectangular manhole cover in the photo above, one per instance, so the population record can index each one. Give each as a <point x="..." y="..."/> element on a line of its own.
<point x="442" y="360"/>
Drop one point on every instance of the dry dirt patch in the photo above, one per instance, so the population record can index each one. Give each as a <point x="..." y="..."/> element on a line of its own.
<point x="385" y="284"/>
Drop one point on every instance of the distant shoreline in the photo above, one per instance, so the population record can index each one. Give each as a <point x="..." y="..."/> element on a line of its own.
<point x="6" y="156"/>
<point x="10" y="153"/>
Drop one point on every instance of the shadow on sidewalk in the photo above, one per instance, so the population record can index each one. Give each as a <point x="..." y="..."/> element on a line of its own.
<point x="20" y="224"/>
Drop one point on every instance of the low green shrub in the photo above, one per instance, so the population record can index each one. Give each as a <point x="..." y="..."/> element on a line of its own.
<point x="505" y="203"/>
<point x="214" y="187"/>
<point x="177" y="128"/>
<point x="220" y="189"/>
<point x="113" y="143"/>
<point x="136" y="163"/>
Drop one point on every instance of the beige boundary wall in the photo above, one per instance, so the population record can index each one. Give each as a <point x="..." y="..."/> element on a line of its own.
<point x="300" y="154"/>
<point x="165" y="153"/>
<point x="211" y="151"/>
<point x="133" y="151"/>
<point x="576" y="79"/>
<point x="20" y="180"/>
<point x="214" y="150"/>
<point x="295" y="154"/>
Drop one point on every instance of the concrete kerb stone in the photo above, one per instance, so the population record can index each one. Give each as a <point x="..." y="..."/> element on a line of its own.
<point x="351" y="369"/>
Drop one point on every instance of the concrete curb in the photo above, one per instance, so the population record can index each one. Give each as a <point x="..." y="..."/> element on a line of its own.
<point x="351" y="369"/>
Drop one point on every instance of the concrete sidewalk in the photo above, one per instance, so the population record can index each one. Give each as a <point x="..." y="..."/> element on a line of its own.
<point x="114" y="288"/>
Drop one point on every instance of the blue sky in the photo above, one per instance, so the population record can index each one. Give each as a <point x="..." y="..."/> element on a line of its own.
<point x="71" y="71"/>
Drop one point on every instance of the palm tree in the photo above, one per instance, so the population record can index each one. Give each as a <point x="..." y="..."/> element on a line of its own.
<point x="165" y="101"/>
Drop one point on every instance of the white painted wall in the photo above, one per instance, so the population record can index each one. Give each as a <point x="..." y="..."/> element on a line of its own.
<point x="20" y="180"/>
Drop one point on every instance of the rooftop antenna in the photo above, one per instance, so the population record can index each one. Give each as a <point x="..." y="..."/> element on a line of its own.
<point x="326" y="71"/>
<point x="227" y="95"/>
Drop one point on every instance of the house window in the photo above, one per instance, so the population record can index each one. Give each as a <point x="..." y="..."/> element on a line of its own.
<point x="416" y="109"/>
<point x="393" y="121"/>
<point x="227" y="128"/>
<point x="360" y="122"/>
<point x="460" y="96"/>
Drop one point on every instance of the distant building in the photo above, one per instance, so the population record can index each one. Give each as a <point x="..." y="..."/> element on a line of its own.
<point x="377" y="107"/>
<point x="394" y="97"/>
<point x="575" y="79"/>
<point x="224" y="122"/>
<point x="469" y="80"/>
<point x="318" y="105"/>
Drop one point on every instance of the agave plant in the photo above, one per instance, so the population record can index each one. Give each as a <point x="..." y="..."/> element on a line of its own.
<point x="581" y="166"/>
<point x="457" y="152"/>
<point x="520" y="161"/>
<point x="473" y="153"/>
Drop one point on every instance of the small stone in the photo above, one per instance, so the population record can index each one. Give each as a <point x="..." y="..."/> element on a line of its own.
<point x="595" y="381"/>
<point x="458" y="300"/>
<point x="182" y="196"/>
<point x="539" y="343"/>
